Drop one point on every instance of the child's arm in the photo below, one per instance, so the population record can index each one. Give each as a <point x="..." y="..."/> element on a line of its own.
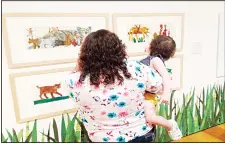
<point x="161" y="69"/>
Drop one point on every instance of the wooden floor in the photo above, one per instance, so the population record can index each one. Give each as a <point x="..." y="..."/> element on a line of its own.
<point x="214" y="134"/>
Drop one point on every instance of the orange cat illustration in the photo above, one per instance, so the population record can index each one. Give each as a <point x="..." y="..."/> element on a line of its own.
<point x="49" y="89"/>
<point x="34" y="42"/>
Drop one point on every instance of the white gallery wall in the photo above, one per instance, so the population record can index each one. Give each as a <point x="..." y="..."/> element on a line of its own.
<point x="199" y="49"/>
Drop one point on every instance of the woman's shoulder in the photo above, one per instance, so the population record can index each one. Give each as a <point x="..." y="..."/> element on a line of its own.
<point x="134" y="65"/>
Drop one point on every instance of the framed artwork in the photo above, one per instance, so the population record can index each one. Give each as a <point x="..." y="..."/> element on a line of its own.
<point x="137" y="30"/>
<point x="37" y="39"/>
<point x="40" y="94"/>
<point x="220" y="48"/>
<point x="174" y="67"/>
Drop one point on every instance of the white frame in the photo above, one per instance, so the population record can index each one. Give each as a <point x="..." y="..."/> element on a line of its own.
<point x="115" y="15"/>
<point x="42" y="63"/>
<point x="15" y="99"/>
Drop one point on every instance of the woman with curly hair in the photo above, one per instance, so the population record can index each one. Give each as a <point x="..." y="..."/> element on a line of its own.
<point x="109" y="90"/>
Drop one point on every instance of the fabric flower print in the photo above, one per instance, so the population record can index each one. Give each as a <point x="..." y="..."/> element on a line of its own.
<point x="153" y="74"/>
<point x="110" y="133"/>
<point x="138" y="96"/>
<point x="92" y="133"/>
<point x="140" y="85"/>
<point x="74" y="96"/>
<point x="92" y="117"/>
<point x="113" y="97"/>
<point x="78" y="84"/>
<point x="103" y="113"/>
<point x="105" y="91"/>
<point x="138" y="63"/>
<point x="125" y="93"/>
<point x="144" y="128"/>
<point x="116" y="125"/>
<point x="71" y="83"/>
<point x="105" y="139"/>
<point x="137" y="113"/>
<point x="84" y="120"/>
<point x="138" y="69"/>
<point x="86" y="107"/>
<point x="120" y="139"/>
<point x="121" y="104"/>
<point x="123" y="114"/>
<point x="111" y="115"/>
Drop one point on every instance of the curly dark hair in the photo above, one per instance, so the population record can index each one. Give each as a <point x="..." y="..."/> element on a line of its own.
<point x="102" y="57"/>
<point x="164" y="46"/>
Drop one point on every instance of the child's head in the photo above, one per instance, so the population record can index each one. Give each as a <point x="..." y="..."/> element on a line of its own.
<point x="164" y="46"/>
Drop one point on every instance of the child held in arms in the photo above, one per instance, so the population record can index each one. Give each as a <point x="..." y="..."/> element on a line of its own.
<point x="161" y="49"/>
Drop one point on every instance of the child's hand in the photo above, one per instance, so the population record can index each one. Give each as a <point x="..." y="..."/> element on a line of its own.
<point x="164" y="98"/>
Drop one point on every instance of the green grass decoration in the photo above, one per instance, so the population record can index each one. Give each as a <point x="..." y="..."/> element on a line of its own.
<point x="20" y="135"/>
<point x="10" y="136"/>
<point x="34" y="132"/>
<point x="77" y="131"/>
<point x="15" y="136"/>
<point x="84" y="133"/>
<point x="63" y="129"/>
<point x="28" y="138"/>
<point x="68" y="119"/>
<point x="55" y="129"/>
<point x="43" y="137"/>
<point x="3" y="138"/>
<point x="27" y="130"/>
<point x="69" y="132"/>
<point x="195" y="114"/>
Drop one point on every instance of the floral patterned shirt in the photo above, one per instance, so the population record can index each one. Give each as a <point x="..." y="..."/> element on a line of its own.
<point x="115" y="113"/>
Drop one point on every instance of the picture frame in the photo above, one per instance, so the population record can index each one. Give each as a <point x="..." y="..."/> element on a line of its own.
<point x="220" y="69"/>
<point x="40" y="39"/>
<point x="32" y="101"/>
<point x="140" y="34"/>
